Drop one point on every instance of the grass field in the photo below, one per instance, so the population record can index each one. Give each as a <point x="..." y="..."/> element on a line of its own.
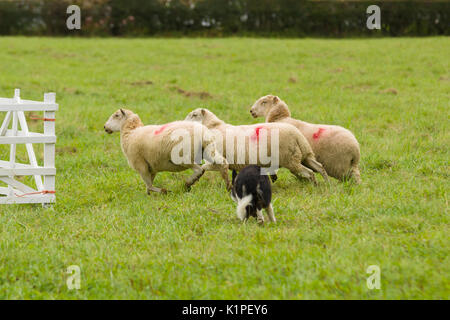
<point x="392" y="93"/>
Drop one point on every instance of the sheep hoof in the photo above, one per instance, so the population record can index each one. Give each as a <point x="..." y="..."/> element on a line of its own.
<point x="188" y="186"/>
<point x="162" y="191"/>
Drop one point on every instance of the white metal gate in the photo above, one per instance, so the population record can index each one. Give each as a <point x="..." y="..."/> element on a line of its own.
<point x="44" y="176"/>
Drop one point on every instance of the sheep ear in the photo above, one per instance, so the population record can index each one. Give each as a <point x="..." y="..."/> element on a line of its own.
<point x="203" y="112"/>
<point x="123" y="112"/>
<point x="276" y="99"/>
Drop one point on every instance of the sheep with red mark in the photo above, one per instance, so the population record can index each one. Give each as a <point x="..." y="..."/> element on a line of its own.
<point x="236" y="144"/>
<point x="335" y="147"/>
<point x="151" y="149"/>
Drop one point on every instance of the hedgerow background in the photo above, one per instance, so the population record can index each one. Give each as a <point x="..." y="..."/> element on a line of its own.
<point x="287" y="18"/>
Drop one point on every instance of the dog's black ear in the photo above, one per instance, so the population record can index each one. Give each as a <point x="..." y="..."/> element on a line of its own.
<point x="233" y="176"/>
<point x="123" y="112"/>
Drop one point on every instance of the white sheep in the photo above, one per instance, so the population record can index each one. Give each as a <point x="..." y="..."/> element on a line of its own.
<point x="335" y="147"/>
<point x="293" y="151"/>
<point x="153" y="148"/>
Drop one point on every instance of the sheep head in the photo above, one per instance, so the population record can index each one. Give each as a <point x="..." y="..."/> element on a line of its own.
<point x="198" y="115"/>
<point x="263" y="106"/>
<point x="115" y="122"/>
<point x="205" y="117"/>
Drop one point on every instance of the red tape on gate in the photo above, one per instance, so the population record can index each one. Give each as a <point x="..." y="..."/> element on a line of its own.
<point x="38" y="192"/>
<point x="43" y="119"/>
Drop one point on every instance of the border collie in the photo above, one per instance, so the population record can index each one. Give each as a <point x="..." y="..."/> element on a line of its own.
<point x="252" y="192"/>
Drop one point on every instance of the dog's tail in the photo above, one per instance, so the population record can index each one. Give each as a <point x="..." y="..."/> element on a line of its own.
<point x="242" y="205"/>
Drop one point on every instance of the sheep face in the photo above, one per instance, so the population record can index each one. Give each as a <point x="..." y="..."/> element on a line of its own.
<point x="198" y="115"/>
<point x="115" y="122"/>
<point x="263" y="105"/>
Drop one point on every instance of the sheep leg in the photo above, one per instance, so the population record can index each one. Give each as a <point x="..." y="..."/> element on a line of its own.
<point x="270" y="213"/>
<point x="316" y="166"/>
<point x="216" y="162"/>
<point x="302" y="172"/>
<point x="224" y="174"/>
<point x="142" y="167"/>
<point x="155" y="189"/>
<point x="148" y="179"/>
<point x="198" y="172"/>
<point x="356" y="175"/>
<point x="223" y="168"/>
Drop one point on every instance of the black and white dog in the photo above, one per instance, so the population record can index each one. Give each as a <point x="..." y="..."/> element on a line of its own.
<point x="252" y="192"/>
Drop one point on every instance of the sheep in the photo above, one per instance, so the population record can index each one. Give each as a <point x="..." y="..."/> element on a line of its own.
<point x="292" y="150"/>
<point x="252" y="192"/>
<point x="153" y="148"/>
<point x="335" y="147"/>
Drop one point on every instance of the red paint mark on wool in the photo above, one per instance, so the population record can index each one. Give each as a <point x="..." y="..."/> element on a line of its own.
<point x="255" y="137"/>
<point x="318" y="133"/>
<point x="161" y="129"/>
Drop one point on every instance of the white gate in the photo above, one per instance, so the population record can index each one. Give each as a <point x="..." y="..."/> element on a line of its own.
<point x="44" y="176"/>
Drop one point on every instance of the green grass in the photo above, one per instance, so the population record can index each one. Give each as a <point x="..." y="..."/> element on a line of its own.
<point x="190" y="245"/>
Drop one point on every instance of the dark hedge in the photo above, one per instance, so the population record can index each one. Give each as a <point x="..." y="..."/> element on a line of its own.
<point x="287" y="18"/>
